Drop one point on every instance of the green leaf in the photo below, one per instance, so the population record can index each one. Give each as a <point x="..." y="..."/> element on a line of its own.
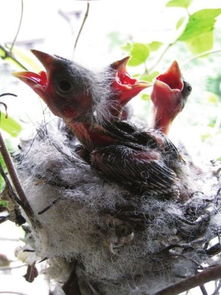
<point x="155" y="45"/>
<point x="149" y="77"/>
<point x="212" y="98"/>
<point x="127" y="47"/>
<point x="27" y="59"/>
<point x="201" y="43"/>
<point x="179" y="3"/>
<point x="199" y="23"/>
<point x="139" y="53"/>
<point x="180" y="22"/>
<point x="205" y="136"/>
<point x="145" y="96"/>
<point x="10" y="125"/>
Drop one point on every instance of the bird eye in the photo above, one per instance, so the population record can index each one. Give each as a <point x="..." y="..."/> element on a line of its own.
<point x="64" y="86"/>
<point x="189" y="88"/>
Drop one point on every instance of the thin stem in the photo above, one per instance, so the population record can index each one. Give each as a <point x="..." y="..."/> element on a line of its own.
<point x="8" y="184"/>
<point x="8" y="54"/>
<point x="209" y="274"/>
<point x="4" y="268"/>
<point x="17" y="185"/>
<point x="161" y="56"/>
<point x="7" y="93"/>
<point x="203" y="290"/>
<point x="4" y="104"/>
<point x="12" y="171"/>
<point x="82" y="25"/>
<point x="19" y="27"/>
<point x="202" y="55"/>
<point x="216" y="292"/>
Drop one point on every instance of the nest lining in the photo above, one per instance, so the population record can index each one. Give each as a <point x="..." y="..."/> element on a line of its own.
<point x="119" y="242"/>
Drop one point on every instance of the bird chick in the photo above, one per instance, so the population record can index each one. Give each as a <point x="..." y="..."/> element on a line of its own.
<point x="143" y="162"/>
<point x="75" y="94"/>
<point x="124" y="88"/>
<point x="169" y="96"/>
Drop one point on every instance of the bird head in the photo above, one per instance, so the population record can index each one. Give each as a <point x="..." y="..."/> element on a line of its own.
<point x="124" y="86"/>
<point x="169" y="96"/>
<point x="70" y="90"/>
<point x="65" y="86"/>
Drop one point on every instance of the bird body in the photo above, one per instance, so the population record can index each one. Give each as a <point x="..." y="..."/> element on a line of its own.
<point x="141" y="161"/>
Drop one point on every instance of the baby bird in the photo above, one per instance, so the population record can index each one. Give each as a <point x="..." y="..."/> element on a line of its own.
<point x="145" y="162"/>
<point x="169" y="96"/>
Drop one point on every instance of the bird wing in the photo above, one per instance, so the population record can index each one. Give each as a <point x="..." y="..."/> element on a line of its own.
<point x="137" y="170"/>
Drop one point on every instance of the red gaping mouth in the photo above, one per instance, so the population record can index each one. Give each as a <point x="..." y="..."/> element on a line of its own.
<point x="167" y="87"/>
<point x="172" y="78"/>
<point x="38" y="82"/>
<point x="126" y="86"/>
<point x="33" y="79"/>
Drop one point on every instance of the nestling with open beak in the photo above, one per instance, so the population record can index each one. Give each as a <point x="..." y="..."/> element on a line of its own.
<point x="169" y="96"/>
<point x="144" y="162"/>
<point x="124" y="88"/>
<point x="75" y="94"/>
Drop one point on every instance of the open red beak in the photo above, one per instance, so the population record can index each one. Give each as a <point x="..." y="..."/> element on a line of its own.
<point x="126" y="86"/>
<point x="167" y="97"/>
<point x="38" y="82"/>
<point x="167" y="84"/>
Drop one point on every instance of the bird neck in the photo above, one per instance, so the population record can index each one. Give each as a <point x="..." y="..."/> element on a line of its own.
<point x="162" y="122"/>
<point x="91" y="135"/>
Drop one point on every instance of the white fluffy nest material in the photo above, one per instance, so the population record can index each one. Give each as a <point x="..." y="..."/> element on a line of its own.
<point x="116" y="242"/>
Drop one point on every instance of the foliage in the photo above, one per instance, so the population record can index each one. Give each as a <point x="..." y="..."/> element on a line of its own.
<point x="12" y="127"/>
<point x="196" y="30"/>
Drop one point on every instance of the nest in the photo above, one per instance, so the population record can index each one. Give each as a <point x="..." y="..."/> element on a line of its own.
<point x="99" y="238"/>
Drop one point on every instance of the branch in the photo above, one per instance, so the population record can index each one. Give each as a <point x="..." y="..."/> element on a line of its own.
<point x="17" y="185"/>
<point x="13" y="196"/>
<point x="8" y="54"/>
<point x="209" y="274"/>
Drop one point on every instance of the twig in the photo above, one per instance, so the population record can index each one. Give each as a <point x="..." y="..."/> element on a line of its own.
<point x="202" y="55"/>
<point x="4" y="104"/>
<point x="8" y="54"/>
<point x="21" y="194"/>
<point x="3" y="268"/>
<point x="8" y="93"/>
<point x="209" y="274"/>
<point x="161" y="56"/>
<point x="203" y="290"/>
<point x="19" y="27"/>
<point x="11" y="292"/>
<point x="216" y="292"/>
<point x="11" y="191"/>
<point x="12" y="172"/>
<point x="82" y="25"/>
<point x="214" y="250"/>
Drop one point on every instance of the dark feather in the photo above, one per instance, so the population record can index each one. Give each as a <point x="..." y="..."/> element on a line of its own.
<point x="140" y="171"/>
